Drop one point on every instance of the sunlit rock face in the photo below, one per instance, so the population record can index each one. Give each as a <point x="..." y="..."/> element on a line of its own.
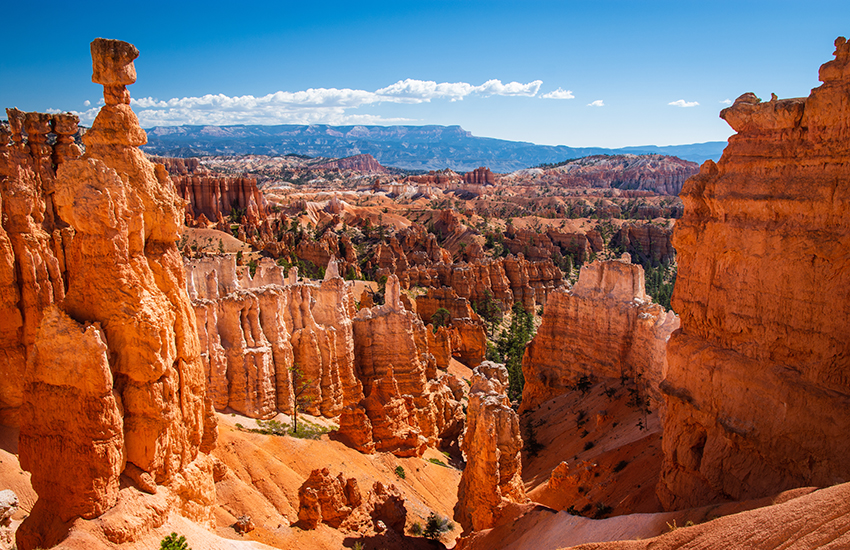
<point x="759" y="382"/>
<point x="492" y="445"/>
<point x="606" y="326"/>
<point x="101" y="365"/>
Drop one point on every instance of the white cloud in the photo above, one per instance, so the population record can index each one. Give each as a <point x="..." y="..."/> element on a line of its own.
<point x="313" y="106"/>
<point x="683" y="103"/>
<point x="560" y="93"/>
<point x="597" y="103"/>
<point x="86" y="103"/>
<point x="726" y="102"/>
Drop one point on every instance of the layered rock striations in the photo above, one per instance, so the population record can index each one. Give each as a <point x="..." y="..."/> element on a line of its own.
<point x="758" y="374"/>
<point x="375" y="371"/>
<point x="606" y="326"/>
<point x="213" y="195"/>
<point x="261" y="336"/>
<point x="492" y="445"/>
<point x="101" y="340"/>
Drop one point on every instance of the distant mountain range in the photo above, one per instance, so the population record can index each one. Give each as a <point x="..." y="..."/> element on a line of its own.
<point x="408" y="147"/>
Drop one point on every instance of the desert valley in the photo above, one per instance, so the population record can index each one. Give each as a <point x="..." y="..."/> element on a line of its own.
<point x="256" y="348"/>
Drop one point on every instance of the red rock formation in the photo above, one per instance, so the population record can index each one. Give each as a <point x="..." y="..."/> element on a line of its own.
<point x="480" y="175"/>
<point x="262" y="329"/>
<point x="407" y="402"/>
<point x="492" y="446"/>
<point x="213" y="195"/>
<point x="127" y="395"/>
<point x="470" y="336"/>
<point x="657" y="173"/>
<point x="360" y="163"/>
<point x="337" y="502"/>
<point x="605" y="327"/>
<point x="646" y="240"/>
<point x="758" y="372"/>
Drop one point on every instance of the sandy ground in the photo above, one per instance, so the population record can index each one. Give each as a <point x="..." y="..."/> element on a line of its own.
<point x="267" y="471"/>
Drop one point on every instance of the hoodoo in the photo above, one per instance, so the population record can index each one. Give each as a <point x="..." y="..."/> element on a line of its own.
<point x="114" y="383"/>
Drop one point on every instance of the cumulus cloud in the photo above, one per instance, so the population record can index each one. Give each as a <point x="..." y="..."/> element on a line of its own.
<point x="86" y="103"/>
<point x="683" y="103"/>
<point x="313" y="106"/>
<point x="597" y="103"/>
<point x="560" y="93"/>
<point x="726" y="102"/>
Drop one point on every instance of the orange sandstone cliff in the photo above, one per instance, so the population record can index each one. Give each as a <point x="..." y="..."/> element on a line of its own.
<point x="757" y="388"/>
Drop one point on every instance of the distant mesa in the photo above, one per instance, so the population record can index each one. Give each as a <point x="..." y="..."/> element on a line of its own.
<point x="408" y="147"/>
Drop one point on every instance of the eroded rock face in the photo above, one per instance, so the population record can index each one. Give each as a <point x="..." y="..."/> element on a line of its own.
<point x="605" y="327"/>
<point x="757" y="378"/>
<point x="492" y="445"/>
<point x="407" y="404"/>
<point x="337" y="501"/>
<point x="253" y="332"/>
<point x="113" y="381"/>
<point x="212" y="195"/>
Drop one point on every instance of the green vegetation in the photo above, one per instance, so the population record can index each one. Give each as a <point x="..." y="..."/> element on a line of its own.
<point x="300" y="384"/>
<point x="511" y="346"/>
<point x="436" y="525"/>
<point x="530" y="444"/>
<point x="399" y="471"/>
<point x="174" y="542"/>
<point x="305" y="429"/>
<point x="660" y="282"/>
<point x="441" y="318"/>
<point x="489" y="309"/>
<point x="438" y="462"/>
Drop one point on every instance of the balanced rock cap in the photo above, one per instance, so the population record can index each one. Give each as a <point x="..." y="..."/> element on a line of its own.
<point x="112" y="62"/>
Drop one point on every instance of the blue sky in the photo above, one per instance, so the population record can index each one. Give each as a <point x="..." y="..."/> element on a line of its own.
<point x="590" y="73"/>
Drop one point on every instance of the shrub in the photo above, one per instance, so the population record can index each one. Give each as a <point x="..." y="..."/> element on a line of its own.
<point x="438" y="462"/>
<point x="399" y="471"/>
<point x="589" y="445"/>
<point x="174" y="542"/>
<point x="620" y="465"/>
<point x="436" y="525"/>
<point x="416" y="529"/>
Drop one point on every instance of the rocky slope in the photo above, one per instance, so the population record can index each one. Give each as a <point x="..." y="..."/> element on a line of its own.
<point x="656" y="173"/>
<point x="757" y="374"/>
<point x="113" y="388"/>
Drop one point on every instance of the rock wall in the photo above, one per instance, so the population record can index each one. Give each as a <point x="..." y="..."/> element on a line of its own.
<point x="212" y="194"/>
<point x="102" y="342"/>
<point x="374" y="370"/>
<point x="605" y="327"/>
<point x="408" y="403"/>
<point x="492" y="445"/>
<point x="657" y="173"/>
<point x="758" y="382"/>
<point x="254" y="332"/>
<point x="469" y="336"/>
